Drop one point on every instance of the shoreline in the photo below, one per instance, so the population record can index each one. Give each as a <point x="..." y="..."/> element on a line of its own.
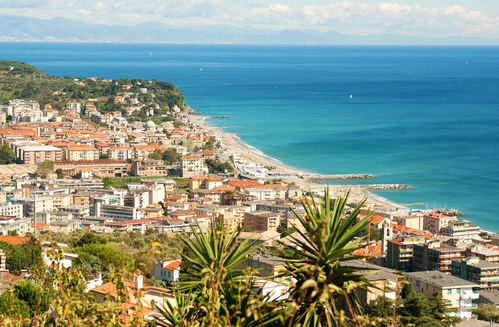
<point x="233" y="144"/>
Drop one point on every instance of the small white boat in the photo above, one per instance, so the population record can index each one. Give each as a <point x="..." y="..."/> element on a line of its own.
<point x="200" y="69"/>
<point x="150" y="53"/>
<point x="351" y="96"/>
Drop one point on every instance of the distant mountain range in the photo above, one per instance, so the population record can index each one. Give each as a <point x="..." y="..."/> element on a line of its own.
<point x="25" y="29"/>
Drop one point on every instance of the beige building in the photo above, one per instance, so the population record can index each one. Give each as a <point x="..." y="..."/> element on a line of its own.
<point x="204" y="182"/>
<point x="383" y="279"/>
<point x="456" y="291"/>
<point x="101" y="168"/>
<point x="267" y="265"/>
<point x="261" y="220"/>
<point x="33" y="153"/>
<point x="149" y="167"/>
<point x="411" y="220"/>
<point x="192" y="165"/>
<point x="434" y="222"/>
<point x="81" y="152"/>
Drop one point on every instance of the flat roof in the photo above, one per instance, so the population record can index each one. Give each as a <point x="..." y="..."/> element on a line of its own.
<point x="440" y="279"/>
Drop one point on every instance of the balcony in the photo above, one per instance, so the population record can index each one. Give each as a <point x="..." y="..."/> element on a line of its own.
<point x="469" y="295"/>
<point x="469" y="306"/>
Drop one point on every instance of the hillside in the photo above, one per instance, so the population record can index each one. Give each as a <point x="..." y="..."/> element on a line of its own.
<point x="20" y="80"/>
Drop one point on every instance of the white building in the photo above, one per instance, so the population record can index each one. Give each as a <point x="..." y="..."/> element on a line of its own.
<point x="49" y="249"/>
<point x="192" y="166"/>
<point x="120" y="153"/>
<point x="168" y="271"/>
<point x="11" y="209"/>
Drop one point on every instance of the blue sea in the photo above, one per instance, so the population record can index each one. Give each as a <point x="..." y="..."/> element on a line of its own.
<point x="423" y="116"/>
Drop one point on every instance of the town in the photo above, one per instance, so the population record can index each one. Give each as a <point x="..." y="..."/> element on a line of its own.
<point x="80" y="166"/>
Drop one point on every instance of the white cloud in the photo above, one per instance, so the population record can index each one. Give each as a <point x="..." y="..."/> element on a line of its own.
<point x="273" y="11"/>
<point x="395" y="18"/>
<point x="342" y="16"/>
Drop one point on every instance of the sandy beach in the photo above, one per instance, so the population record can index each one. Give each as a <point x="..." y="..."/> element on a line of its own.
<point x="233" y="144"/>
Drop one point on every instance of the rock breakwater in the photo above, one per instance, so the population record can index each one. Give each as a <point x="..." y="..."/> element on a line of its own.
<point x="340" y="176"/>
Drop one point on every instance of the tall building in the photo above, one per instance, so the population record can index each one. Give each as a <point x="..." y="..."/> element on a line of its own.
<point x="192" y="165"/>
<point x="434" y="222"/>
<point x="476" y="270"/>
<point x="433" y="256"/>
<point x="399" y="254"/>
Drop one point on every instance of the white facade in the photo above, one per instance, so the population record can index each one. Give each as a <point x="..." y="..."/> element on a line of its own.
<point x="168" y="271"/>
<point x="11" y="209"/>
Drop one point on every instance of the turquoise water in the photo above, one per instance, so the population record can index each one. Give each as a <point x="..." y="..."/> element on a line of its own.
<point x="423" y="116"/>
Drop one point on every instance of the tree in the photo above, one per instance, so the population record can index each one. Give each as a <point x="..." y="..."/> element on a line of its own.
<point x="156" y="155"/>
<point x="45" y="168"/>
<point x="440" y="310"/>
<point x="381" y="307"/>
<point x="26" y="256"/>
<point x="170" y="156"/>
<point x="7" y="155"/>
<point x="10" y="305"/>
<point x="36" y="298"/>
<point x="60" y="173"/>
<point x="487" y="312"/>
<point x="13" y="232"/>
<point x="103" y="156"/>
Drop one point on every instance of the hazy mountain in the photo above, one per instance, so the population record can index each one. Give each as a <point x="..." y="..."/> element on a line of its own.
<point x="63" y="30"/>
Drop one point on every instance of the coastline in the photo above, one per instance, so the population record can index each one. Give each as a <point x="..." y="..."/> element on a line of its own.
<point x="234" y="144"/>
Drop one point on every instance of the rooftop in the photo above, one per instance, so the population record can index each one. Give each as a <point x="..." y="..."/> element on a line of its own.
<point x="440" y="279"/>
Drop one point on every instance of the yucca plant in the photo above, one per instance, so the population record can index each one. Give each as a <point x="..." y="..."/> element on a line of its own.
<point x="321" y="277"/>
<point x="222" y="293"/>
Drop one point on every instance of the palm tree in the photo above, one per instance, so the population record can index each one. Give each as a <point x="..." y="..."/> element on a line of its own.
<point x="321" y="278"/>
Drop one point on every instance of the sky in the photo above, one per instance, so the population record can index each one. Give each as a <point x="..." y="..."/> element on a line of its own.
<point x="424" y="18"/>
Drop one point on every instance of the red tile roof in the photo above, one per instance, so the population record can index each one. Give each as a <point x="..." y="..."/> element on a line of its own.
<point x="15" y="240"/>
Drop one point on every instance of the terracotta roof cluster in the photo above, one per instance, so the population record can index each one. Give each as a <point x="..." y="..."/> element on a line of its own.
<point x="14" y="240"/>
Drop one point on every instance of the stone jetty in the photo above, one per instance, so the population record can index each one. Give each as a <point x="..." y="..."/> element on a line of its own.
<point x="385" y="187"/>
<point x="450" y="212"/>
<point x="341" y="176"/>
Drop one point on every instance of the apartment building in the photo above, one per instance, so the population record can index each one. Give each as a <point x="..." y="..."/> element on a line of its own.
<point x="456" y="291"/>
<point x="399" y="254"/>
<point x="434" y="222"/>
<point x="434" y="256"/>
<point x="81" y="152"/>
<point x="462" y="230"/>
<point x="121" y="153"/>
<point x="261" y="221"/>
<point x="11" y="210"/>
<point x="30" y="152"/>
<point x="478" y="271"/>
<point x="269" y="192"/>
<point x="204" y="182"/>
<point x="192" y="165"/>
<point x="149" y="167"/>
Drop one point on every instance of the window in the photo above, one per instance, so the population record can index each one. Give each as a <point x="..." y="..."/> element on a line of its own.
<point x="169" y="273"/>
<point x="249" y="263"/>
<point x="458" y="291"/>
<point x="259" y="266"/>
<point x="417" y="283"/>
<point x="427" y="286"/>
<point x="457" y="303"/>
<point x="449" y="291"/>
